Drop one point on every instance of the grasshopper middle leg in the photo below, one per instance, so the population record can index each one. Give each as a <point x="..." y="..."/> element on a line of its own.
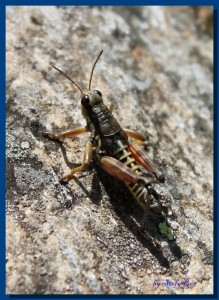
<point x="86" y="162"/>
<point x="140" y="155"/>
<point x="87" y="154"/>
<point x="139" y="138"/>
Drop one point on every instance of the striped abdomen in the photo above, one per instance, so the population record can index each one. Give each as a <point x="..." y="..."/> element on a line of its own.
<point x="139" y="192"/>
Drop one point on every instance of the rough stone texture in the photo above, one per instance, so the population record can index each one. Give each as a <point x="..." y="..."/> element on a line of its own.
<point x="84" y="237"/>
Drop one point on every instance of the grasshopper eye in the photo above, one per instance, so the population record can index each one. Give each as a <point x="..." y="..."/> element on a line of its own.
<point x="98" y="93"/>
<point x="85" y="100"/>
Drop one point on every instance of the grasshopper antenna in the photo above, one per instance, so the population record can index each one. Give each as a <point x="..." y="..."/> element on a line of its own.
<point x="70" y="80"/>
<point x="91" y="75"/>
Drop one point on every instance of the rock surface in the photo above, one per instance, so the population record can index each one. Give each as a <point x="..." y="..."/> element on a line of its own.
<point x="84" y="238"/>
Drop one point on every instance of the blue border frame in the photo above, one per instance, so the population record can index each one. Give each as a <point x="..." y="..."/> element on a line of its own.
<point x="114" y="2"/>
<point x="2" y="152"/>
<point x="3" y="4"/>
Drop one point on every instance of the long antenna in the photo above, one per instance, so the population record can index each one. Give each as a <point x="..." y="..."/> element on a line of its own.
<point x="91" y="75"/>
<point x="69" y="79"/>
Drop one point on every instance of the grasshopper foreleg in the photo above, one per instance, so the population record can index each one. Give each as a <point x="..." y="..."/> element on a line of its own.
<point x="66" y="134"/>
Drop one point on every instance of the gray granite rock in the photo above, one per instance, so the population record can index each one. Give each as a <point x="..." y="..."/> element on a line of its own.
<point x="84" y="238"/>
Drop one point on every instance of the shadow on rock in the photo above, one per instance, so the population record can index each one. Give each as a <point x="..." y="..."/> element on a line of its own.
<point x="131" y="215"/>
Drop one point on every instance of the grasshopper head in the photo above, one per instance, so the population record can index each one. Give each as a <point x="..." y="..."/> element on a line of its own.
<point x="91" y="99"/>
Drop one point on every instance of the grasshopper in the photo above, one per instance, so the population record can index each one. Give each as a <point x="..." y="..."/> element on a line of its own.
<point x="115" y="154"/>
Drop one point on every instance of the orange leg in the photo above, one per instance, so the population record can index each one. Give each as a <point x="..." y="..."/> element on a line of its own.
<point x="139" y="138"/>
<point x="66" y="134"/>
<point x="86" y="162"/>
<point x="140" y="156"/>
<point x="122" y="172"/>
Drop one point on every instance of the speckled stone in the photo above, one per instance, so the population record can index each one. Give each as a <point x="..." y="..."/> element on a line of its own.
<point x="84" y="238"/>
